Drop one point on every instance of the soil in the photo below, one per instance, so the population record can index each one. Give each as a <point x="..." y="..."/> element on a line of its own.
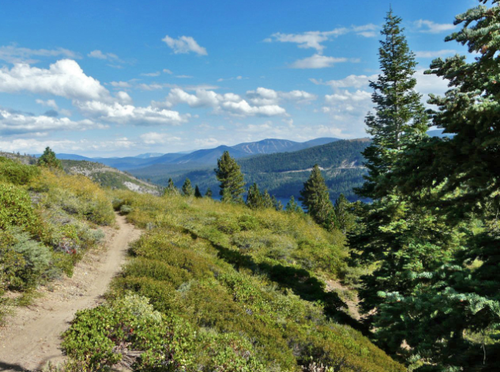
<point x="31" y="336"/>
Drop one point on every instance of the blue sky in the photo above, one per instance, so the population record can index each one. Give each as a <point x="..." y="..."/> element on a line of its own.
<point x="117" y="78"/>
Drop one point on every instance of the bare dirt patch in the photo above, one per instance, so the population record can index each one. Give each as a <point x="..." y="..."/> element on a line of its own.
<point x="31" y="336"/>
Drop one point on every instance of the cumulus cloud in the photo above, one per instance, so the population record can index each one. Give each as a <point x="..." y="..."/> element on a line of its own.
<point x="14" y="54"/>
<point x="120" y="84"/>
<point x="154" y="138"/>
<point x="119" y="113"/>
<point x="184" y="44"/>
<point x="49" y="103"/>
<point x="435" y="53"/>
<point x="104" y="56"/>
<point x="317" y="61"/>
<point x="432" y="27"/>
<point x="430" y="84"/>
<point x="351" y="81"/>
<point x="314" y="39"/>
<point x="17" y="123"/>
<point x="263" y="96"/>
<point x="261" y="102"/>
<point x="64" y="78"/>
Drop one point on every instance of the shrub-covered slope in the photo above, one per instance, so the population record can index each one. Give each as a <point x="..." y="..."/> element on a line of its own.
<point x="230" y="289"/>
<point x="109" y="177"/>
<point x="47" y="219"/>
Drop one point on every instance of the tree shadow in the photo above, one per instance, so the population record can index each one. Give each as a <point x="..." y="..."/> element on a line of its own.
<point x="300" y="281"/>
<point x="11" y="367"/>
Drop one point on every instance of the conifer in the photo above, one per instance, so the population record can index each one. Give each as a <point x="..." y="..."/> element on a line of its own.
<point x="197" y="192"/>
<point x="400" y="117"/>
<point x="229" y="174"/>
<point x="187" y="189"/>
<point x="254" y="197"/>
<point x="315" y="197"/>
<point x="49" y="159"/>
<point x="208" y="193"/>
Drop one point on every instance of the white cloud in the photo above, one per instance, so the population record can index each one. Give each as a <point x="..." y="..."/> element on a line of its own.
<point x="154" y="138"/>
<point x="152" y="74"/>
<point x="167" y="71"/>
<point x="104" y="56"/>
<point x="120" y="84"/>
<point x="123" y="97"/>
<point x="231" y="78"/>
<point x="33" y="146"/>
<point x="317" y="61"/>
<point x="49" y="103"/>
<point x="127" y="114"/>
<point x="16" y="123"/>
<point x="427" y="84"/>
<point x="184" y="76"/>
<point x="263" y="102"/>
<point x="435" y="53"/>
<point x="313" y="39"/>
<point x="432" y="27"/>
<point x="351" y="81"/>
<point x="64" y="78"/>
<point x="184" y="44"/>
<point x="263" y="96"/>
<point x="14" y="54"/>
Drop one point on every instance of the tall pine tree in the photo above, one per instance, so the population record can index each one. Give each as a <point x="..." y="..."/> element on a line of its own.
<point x="400" y="117"/>
<point x="229" y="174"/>
<point x="315" y="197"/>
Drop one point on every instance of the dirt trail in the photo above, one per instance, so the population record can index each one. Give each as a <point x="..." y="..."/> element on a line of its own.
<point x="30" y="338"/>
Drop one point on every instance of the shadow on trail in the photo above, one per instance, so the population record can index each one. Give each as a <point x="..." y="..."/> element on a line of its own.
<point x="11" y="367"/>
<point x="299" y="281"/>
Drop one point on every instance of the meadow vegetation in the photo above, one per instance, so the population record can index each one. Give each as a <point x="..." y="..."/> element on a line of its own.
<point x="47" y="220"/>
<point x="222" y="287"/>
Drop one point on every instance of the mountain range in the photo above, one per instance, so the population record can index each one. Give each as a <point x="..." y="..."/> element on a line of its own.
<point x="205" y="156"/>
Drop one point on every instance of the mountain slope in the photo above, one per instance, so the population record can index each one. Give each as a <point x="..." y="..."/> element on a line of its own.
<point x="109" y="177"/>
<point x="282" y="174"/>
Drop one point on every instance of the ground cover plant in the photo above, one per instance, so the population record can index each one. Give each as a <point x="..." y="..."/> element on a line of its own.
<point x="230" y="288"/>
<point x="47" y="220"/>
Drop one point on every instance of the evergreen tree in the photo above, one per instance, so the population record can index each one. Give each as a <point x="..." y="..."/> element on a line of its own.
<point x="315" y="197"/>
<point x="208" y="194"/>
<point x="231" y="179"/>
<point x="187" y="189"/>
<point x="451" y="319"/>
<point x="197" y="192"/>
<point x="267" y="201"/>
<point x="171" y="189"/>
<point x="292" y="206"/>
<point x="254" y="197"/>
<point x="400" y="117"/>
<point x="277" y="204"/>
<point x="344" y="218"/>
<point x="49" y="159"/>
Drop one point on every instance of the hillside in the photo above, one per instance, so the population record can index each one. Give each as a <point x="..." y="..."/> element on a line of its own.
<point x="109" y="177"/>
<point x="218" y="287"/>
<point x="282" y="174"/>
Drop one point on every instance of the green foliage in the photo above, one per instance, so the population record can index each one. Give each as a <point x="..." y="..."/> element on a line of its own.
<point x="229" y="175"/>
<point x="14" y="172"/>
<point x="48" y="159"/>
<point x="254" y="197"/>
<point x="171" y="189"/>
<point x="187" y="189"/>
<point x="400" y="117"/>
<point x="16" y="209"/>
<point x="197" y="192"/>
<point x="314" y="196"/>
<point x="208" y="193"/>
<point x="293" y="207"/>
<point x="246" y="284"/>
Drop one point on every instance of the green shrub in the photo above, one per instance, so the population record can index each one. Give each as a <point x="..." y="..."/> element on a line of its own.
<point x="15" y="208"/>
<point x="16" y="173"/>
